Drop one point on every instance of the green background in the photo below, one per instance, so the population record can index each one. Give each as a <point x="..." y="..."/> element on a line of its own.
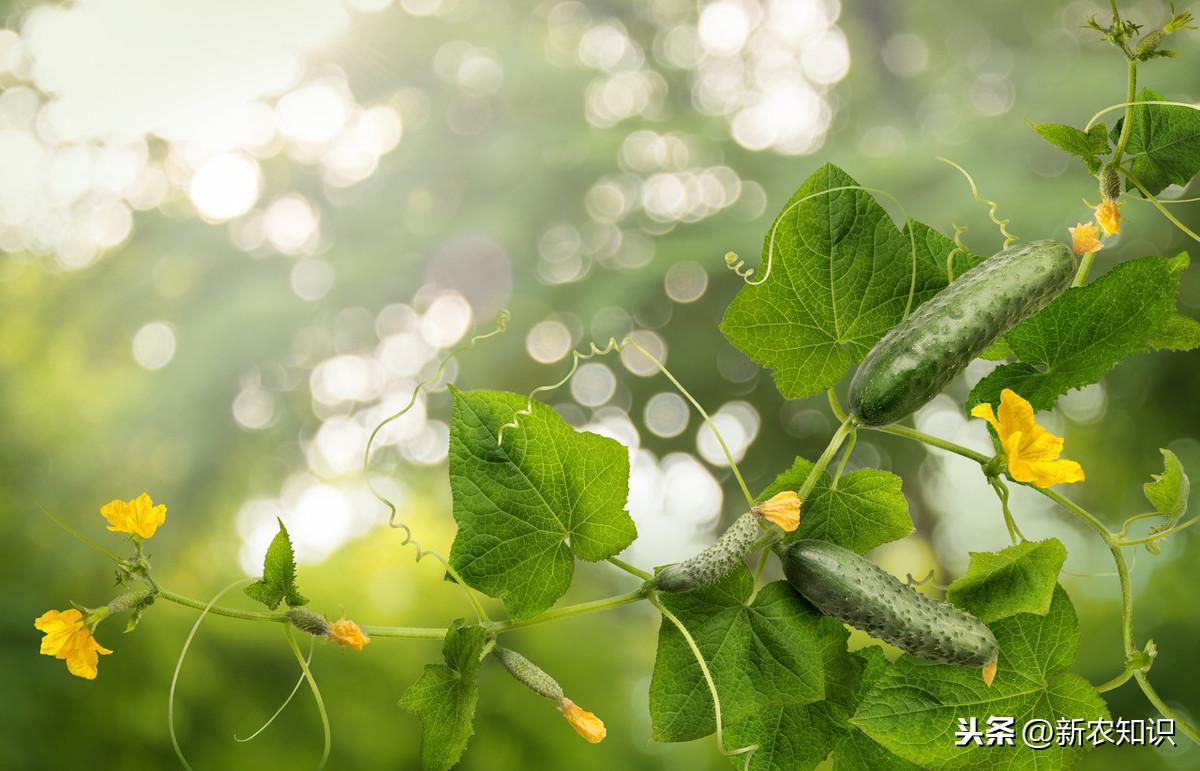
<point x="82" y="423"/>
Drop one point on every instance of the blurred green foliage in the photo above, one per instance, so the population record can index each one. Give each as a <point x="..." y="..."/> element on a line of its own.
<point x="82" y="423"/>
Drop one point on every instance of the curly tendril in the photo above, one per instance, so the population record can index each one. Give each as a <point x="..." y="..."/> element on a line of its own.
<point x="959" y="248"/>
<point x="502" y="320"/>
<point x="1009" y="237"/>
<point x="612" y="345"/>
<point x="738" y="265"/>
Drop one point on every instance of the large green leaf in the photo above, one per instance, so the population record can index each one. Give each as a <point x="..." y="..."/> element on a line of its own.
<point x="526" y="508"/>
<point x="1018" y="579"/>
<point x="1164" y="143"/>
<point x="445" y="695"/>
<point x="855" y="751"/>
<point x="1084" y="333"/>
<point x="865" y="510"/>
<point x="915" y="707"/>
<point x="841" y="276"/>
<point x="762" y="652"/>
<point x="278" y="582"/>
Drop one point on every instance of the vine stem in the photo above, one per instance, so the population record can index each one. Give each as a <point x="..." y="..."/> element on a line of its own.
<point x="424" y="633"/>
<point x="1154" y="536"/>
<point x="567" y="611"/>
<point x="316" y="692"/>
<point x="1127" y="123"/>
<point x="630" y="569"/>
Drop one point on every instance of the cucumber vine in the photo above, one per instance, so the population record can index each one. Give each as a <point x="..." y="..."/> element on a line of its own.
<point x="753" y="662"/>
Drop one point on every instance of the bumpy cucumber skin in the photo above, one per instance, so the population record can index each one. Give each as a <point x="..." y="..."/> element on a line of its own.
<point x="529" y="674"/>
<point x="708" y="566"/>
<point x="915" y="360"/>
<point x="854" y="590"/>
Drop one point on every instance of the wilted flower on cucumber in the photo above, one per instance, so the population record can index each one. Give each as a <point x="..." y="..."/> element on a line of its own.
<point x="344" y="632"/>
<point x="540" y="682"/>
<point x="1108" y="214"/>
<point x="585" y="723"/>
<point x="348" y="634"/>
<point x="1030" y="450"/>
<point x="782" y="510"/>
<point x="1084" y="240"/>
<point x="138" y="517"/>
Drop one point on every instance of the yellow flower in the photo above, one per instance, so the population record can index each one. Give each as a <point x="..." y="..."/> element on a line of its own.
<point x="67" y="638"/>
<point x="1083" y="239"/>
<point x="1108" y="214"/>
<point x="782" y="509"/>
<point x="585" y="723"/>
<point x="139" y="516"/>
<point x="1032" y="451"/>
<point x="347" y="633"/>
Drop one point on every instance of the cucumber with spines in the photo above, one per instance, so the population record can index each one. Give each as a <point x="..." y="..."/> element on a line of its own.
<point x="707" y="567"/>
<point x="914" y="361"/>
<point x="858" y="592"/>
<point x="529" y="674"/>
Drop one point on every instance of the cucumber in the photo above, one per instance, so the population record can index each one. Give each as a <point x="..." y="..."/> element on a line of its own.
<point x="708" y="566"/>
<point x="529" y="674"/>
<point x="915" y="360"/>
<point x="857" y="592"/>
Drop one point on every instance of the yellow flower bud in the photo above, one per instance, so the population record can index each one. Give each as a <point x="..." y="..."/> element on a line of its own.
<point x="585" y="723"/>
<point x="782" y="509"/>
<point x="345" y="632"/>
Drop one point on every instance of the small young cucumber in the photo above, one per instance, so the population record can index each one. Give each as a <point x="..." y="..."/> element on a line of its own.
<point x="915" y="360"/>
<point x="857" y="592"/>
<point x="709" y="565"/>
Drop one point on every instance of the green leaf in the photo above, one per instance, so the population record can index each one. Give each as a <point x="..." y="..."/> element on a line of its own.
<point x="841" y="276"/>
<point x="763" y="652"/>
<point x="1084" y="332"/>
<point x="1086" y="146"/>
<point x="855" y="751"/>
<point x="997" y="351"/>
<point x="1169" y="491"/>
<point x="1019" y="579"/>
<point x="278" y="582"/>
<point x="1177" y="333"/>
<point x="527" y="508"/>
<point x="915" y="707"/>
<point x="865" y="510"/>
<point x="1164" y="143"/>
<point x="445" y="695"/>
<point x="794" y="737"/>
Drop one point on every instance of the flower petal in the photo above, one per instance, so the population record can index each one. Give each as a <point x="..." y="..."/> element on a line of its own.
<point x="1056" y="472"/>
<point x="986" y="412"/>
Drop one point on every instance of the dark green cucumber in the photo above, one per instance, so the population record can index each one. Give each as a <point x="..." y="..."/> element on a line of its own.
<point x="708" y="566"/>
<point x="915" y="360"/>
<point x="858" y="592"/>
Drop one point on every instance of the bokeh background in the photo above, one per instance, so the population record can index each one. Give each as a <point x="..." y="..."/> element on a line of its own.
<point x="235" y="234"/>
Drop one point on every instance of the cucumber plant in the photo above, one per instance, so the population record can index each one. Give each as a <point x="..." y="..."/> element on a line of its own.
<point x="765" y="666"/>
